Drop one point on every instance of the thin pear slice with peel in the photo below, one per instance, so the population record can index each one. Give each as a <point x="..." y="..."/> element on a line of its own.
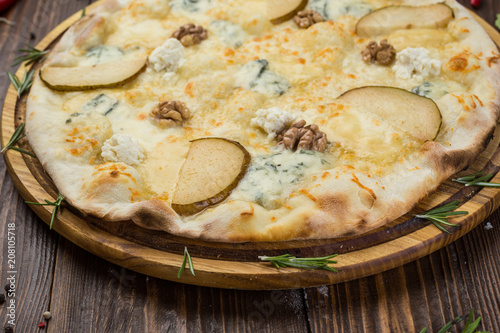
<point x="212" y="169"/>
<point x="413" y="114"/>
<point x="280" y="11"/>
<point x="388" y="19"/>
<point x="105" y="75"/>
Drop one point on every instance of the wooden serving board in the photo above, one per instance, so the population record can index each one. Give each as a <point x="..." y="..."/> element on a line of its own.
<point x="237" y="265"/>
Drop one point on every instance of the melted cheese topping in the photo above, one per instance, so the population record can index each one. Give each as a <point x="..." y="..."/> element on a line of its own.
<point x="246" y="65"/>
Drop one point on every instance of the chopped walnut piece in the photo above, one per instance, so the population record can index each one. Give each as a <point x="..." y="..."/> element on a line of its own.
<point x="169" y="113"/>
<point x="189" y="34"/>
<point x="304" y="19"/>
<point x="301" y="137"/>
<point x="384" y="54"/>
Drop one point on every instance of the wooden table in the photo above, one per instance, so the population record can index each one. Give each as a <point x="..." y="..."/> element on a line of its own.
<point x="85" y="293"/>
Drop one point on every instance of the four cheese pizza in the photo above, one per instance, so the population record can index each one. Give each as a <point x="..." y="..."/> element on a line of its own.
<point x="263" y="120"/>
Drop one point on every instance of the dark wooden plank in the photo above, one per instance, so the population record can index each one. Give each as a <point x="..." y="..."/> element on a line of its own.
<point x="92" y="295"/>
<point x="35" y="250"/>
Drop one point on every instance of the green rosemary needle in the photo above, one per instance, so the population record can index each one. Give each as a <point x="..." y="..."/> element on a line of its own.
<point x="439" y="216"/>
<point x="83" y="13"/>
<point x="470" y="326"/>
<point x="56" y="204"/>
<point x="477" y="179"/>
<point x="288" y="260"/>
<point x="18" y="135"/>
<point x="187" y="259"/>
<point x="24" y="84"/>
<point x="30" y="55"/>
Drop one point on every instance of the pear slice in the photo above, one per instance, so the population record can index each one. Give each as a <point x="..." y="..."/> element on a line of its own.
<point x="413" y="114"/>
<point x="105" y="75"/>
<point x="388" y="19"/>
<point x="212" y="169"/>
<point x="280" y="11"/>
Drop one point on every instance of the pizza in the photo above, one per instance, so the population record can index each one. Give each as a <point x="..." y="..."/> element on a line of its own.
<point x="236" y="121"/>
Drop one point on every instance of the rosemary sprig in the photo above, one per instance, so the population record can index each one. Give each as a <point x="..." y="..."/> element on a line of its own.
<point x="305" y="263"/>
<point x="31" y="55"/>
<point x="477" y="179"/>
<point x="24" y="84"/>
<point x="83" y="13"/>
<point x="470" y="326"/>
<point x="187" y="258"/>
<point x="56" y="204"/>
<point x="18" y="135"/>
<point x="439" y="216"/>
<point x="4" y="20"/>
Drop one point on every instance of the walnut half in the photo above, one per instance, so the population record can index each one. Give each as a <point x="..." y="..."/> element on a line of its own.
<point x="301" y="137"/>
<point x="304" y="19"/>
<point x="189" y="34"/>
<point x="169" y="114"/>
<point x="384" y="54"/>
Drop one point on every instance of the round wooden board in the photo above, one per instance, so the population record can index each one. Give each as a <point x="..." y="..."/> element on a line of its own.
<point x="237" y="265"/>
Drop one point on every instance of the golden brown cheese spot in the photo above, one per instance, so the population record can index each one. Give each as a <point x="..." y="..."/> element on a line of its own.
<point x="493" y="59"/>
<point x="115" y="170"/>
<point x="479" y="100"/>
<point x="115" y="182"/>
<point x="464" y="62"/>
<point x="369" y="190"/>
<point x="308" y="194"/>
<point x="458" y="64"/>
<point x="162" y="197"/>
<point x="248" y="212"/>
<point x="79" y="137"/>
<point x="189" y="89"/>
<point x="468" y="102"/>
<point x="135" y="195"/>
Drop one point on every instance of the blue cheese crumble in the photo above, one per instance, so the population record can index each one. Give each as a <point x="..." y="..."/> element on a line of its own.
<point x="417" y="63"/>
<point x="122" y="148"/>
<point x="257" y="77"/>
<point x="331" y="10"/>
<point x="230" y="33"/>
<point x="269" y="177"/>
<point x="273" y="120"/>
<point x="168" y="56"/>
<point x="192" y="6"/>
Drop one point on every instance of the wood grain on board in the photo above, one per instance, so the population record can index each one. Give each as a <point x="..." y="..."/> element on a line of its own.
<point x="88" y="294"/>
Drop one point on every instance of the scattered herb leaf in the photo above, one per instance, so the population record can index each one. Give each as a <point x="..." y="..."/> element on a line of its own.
<point x="439" y="216"/>
<point x="497" y="22"/>
<point x="187" y="259"/>
<point x="470" y="326"/>
<point x="4" y="20"/>
<point x="83" y="12"/>
<point x="477" y="179"/>
<point x="31" y="55"/>
<point x="16" y="136"/>
<point x="56" y="204"/>
<point x="24" y="84"/>
<point x="305" y="263"/>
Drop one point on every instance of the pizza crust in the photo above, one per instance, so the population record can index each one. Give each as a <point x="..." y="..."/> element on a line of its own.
<point x="338" y="202"/>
